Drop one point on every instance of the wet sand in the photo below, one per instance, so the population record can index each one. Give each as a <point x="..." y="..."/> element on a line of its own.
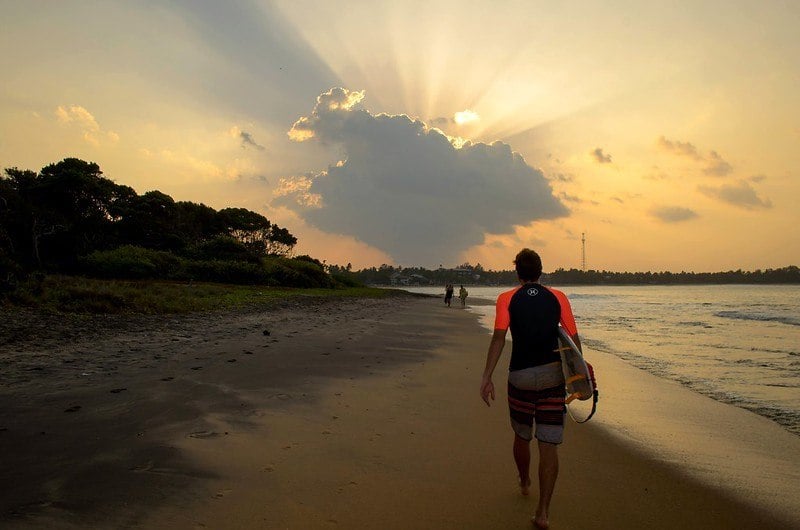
<point x="348" y="414"/>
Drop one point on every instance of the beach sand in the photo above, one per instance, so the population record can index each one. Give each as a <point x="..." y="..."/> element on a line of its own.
<point x="348" y="414"/>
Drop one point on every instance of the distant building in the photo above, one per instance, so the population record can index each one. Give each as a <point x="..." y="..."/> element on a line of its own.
<point x="398" y="278"/>
<point x="469" y="274"/>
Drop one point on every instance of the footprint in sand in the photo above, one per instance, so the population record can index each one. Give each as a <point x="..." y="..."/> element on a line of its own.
<point x="197" y="367"/>
<point x="167" y="378"/>
<point x="118" y="390"/>
<point x="231" y="360"/>
<point x="143" y="467"/>
<point x="203" y="435"/>
<point x="73" y="408"/>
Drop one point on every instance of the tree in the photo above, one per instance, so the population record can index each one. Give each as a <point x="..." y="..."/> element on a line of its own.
<point x="251" y="228"/>
<point x="198" y="222"/>
<point x="150" y="221"/>
<point x="257" y="232"/>
<point x="73" y="209"/>
<point x="56" y="215"/>
<point x="280" y="241"/>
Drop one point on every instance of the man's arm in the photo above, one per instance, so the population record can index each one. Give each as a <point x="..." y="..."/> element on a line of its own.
<point x="492" y="356"/>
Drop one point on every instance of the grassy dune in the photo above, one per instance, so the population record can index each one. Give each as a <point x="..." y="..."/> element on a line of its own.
<point x="72" y="294"/>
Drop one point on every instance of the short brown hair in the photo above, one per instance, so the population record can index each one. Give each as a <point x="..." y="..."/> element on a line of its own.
<point x="528" y="265"/>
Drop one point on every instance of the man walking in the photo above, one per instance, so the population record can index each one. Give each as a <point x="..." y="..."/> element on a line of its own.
<point x="535" y="380"/>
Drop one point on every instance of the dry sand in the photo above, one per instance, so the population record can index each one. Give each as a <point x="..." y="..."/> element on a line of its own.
<point x="349" y="414"/>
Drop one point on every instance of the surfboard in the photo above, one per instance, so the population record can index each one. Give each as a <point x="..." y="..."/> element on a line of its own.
<point x="577" y="377"/>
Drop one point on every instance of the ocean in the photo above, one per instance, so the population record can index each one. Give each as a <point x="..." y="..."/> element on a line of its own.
<point x="738" y="344"/>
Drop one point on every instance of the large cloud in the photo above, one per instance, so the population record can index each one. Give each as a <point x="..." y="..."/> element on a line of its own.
<point x="409" y="189"/>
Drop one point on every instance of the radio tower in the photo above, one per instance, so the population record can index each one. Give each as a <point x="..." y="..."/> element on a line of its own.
<point x="583" y="251"/>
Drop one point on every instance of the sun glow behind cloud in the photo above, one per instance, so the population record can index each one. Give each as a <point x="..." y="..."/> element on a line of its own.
<point x="428" y="69"/>
<point x="465" y="116"/>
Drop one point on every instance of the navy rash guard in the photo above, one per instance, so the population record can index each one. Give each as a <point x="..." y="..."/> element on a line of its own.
<point x="533" y="312"/>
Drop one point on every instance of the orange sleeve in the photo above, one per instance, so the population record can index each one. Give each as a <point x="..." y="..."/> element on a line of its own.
<point x="567" y="318"/>
<point x="502" y="318"/>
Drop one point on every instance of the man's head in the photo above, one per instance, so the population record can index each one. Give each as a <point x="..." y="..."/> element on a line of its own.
<point x="529" y="265"/>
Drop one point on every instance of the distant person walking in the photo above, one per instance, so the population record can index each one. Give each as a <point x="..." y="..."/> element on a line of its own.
<point x="535" y="380"/>
<point x="448" y="294"/>
<point x="462" y="293"/>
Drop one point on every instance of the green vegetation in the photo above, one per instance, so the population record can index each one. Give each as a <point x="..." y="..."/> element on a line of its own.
<point x="86" y="295"/>
<point x="69" y="220"/>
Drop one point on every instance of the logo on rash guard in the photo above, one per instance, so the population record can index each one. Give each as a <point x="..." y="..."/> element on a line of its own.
<point x="533" y="291"/>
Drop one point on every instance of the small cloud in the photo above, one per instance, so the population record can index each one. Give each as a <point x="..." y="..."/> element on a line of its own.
<point x="247" y="141"/>
<point x="441" y="121"/>
<point x="679" y="148"/>
<point x="617" y="199"/>
<point x="465" y="116"/>
<point x="673" y="214"/>
<point x="758" y="178"/>
<point x="77" y="114"/>
<point x="570" y="198"/>
<point x="601" y="157"/>
<point x="562" y="177"/>
<point x="79" y="117"/>
<point x="717" y="166"/>
<point x="740" y="194"/>
<point x="246" y="138"/>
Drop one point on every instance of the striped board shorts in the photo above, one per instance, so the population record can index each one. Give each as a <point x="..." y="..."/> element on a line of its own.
<point x="536" y="402"/>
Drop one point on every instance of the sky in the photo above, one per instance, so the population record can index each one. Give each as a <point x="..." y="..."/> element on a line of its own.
<point x="433" y="133"/>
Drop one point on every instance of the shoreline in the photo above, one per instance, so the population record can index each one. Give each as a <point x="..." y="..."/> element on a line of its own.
<point x="362" y="413"/>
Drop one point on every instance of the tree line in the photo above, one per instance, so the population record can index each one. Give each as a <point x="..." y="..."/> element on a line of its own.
<point x="477" y="275"/>
<point x="790" y="274"/>
<point x="68" y="218"/>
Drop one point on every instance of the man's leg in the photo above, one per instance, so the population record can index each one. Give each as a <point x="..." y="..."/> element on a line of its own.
<point x="548" y="472"/>
<point x="522" y="456"/>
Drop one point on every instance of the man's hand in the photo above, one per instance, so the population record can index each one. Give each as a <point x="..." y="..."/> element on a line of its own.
<point x="487" y="391"/>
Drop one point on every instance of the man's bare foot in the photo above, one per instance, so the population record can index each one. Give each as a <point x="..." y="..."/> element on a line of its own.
<point x="525" y="486"/>
<point x="540" y="521"/>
